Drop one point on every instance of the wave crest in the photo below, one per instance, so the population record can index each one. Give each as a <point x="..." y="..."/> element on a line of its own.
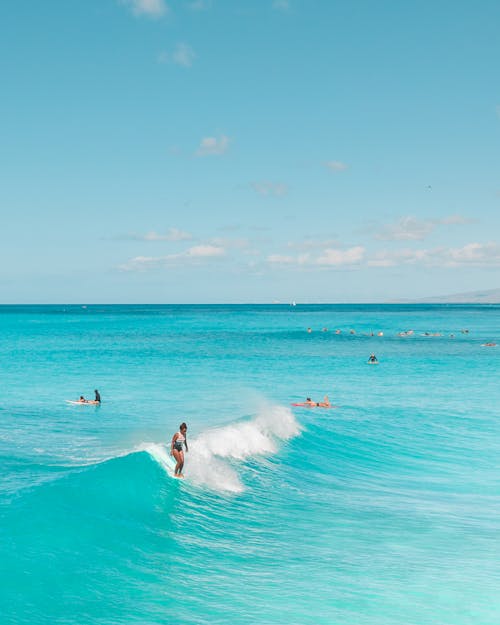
<point x="208" y="462"/>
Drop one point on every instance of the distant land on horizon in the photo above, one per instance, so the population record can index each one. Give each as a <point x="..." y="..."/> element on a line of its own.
<point x="491" y="296"/>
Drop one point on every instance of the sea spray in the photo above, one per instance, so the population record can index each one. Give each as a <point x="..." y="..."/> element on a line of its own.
<point x="211" y="457"/>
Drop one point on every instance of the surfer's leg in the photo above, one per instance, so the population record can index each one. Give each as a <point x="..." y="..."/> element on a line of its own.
<point x="181" y="462"/>
<point x="179" y="459"/>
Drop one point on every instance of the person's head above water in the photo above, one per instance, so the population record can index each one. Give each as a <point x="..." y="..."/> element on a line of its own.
<point x="183" y="427"/>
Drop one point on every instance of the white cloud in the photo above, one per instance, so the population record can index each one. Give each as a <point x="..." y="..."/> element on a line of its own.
<point x="194" y="255"/>
<point x="213" y="146"/>
<point x="173" y="234"/>
<point x="267" y="188"/>
<point x="278" y="259"/>
<point x="386" y="258"/>
<point x="472" y="254"/>
<point x="337" y="257"/>
<point x="406" y="229"/>
<point x="150" y="8"/>
<point x="204" y="251"/>
<point x="329" y="258"/>
<point x="336" y="166"/>
<point x="229" y="243"/>
<point x="139" y="263"/>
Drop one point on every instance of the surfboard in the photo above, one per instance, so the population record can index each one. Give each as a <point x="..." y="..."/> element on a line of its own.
<point x="81" y="403"/>
<point x="372" y="363"/>
<point x="309" y="406"/>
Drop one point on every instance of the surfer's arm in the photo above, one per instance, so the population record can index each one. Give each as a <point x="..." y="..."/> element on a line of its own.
<point x="186" y="443"/>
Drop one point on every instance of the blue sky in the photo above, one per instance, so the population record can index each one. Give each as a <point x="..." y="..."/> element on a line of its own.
<point x="248" y="150"/>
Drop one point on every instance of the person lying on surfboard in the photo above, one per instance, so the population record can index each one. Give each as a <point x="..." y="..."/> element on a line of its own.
<point x="95" y="401"/>
<point x="316" y="404"/>
<point x="179" y="440"/>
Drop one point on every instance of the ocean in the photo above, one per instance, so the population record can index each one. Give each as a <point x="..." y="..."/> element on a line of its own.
<point x="383" y="510"/>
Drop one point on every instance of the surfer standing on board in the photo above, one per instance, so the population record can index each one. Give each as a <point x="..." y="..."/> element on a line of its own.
<point x="179" y="440"/>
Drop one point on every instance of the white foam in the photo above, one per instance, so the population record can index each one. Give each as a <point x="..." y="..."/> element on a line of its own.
<point x="208" y="461"/>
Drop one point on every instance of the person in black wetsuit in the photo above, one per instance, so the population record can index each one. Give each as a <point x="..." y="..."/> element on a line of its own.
<point x="97" y="396"/>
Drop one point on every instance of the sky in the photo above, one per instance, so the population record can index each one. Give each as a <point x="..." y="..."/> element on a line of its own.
<point x="234" y="151"/>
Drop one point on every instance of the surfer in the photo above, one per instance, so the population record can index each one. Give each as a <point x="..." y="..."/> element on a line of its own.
<point x="179" y="441"/>
<point x="372" y="359"/>
<point x="82" y="400"/>
<point x="97" y="396"/>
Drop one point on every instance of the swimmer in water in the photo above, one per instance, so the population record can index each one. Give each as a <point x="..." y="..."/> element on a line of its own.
<point x="179" y="440"/>
<point x="372" y="358"/>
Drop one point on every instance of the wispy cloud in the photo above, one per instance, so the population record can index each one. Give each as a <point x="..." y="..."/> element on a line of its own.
<point x="310" y="243"/>
<point x="172" y="234"/>
<point x="406" y="229"/>
<point x="281" y="5"/>
<point x="213" y="146"/>
<point x="230" y="243"/>
<point x="336" y="166"/>
<point x="471" y="254"/>
<point x="148" y="8"/>
<point x="267" y="188"/>
<point x="412" y="229"/>
<point x="194" y="255"/>
<point x="198" y="5"/>
<point x="455" y="220"/>
<point x="474" y="254"/>
<point x="182" y="55"/>
<point x="280" y="259"/>
<point x="338" y="257"/>
<point x="330" y="257"/>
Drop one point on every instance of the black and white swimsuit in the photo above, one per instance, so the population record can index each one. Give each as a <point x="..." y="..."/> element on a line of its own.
<point x="179" y="441"/>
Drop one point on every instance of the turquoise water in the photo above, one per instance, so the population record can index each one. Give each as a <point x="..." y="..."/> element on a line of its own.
<point x="384" y="510"/>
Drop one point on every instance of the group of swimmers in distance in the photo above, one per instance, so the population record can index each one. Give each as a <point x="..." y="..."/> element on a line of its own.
<point x="338" y="331"/>
<point x="380" y="333"/>
<point x="95" y="401"/>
